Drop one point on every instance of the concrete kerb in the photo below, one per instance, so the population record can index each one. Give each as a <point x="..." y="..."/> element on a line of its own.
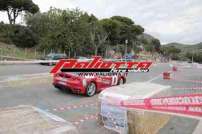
<point x="32" y="119"/>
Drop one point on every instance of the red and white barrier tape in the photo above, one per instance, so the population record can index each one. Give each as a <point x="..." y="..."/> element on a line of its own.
<point x="85" y="118"/>
<point x="188" y="88"/>
<point x="192" y="81"/>
<point x="73" y="107"/>
<point x="184" y="104"/>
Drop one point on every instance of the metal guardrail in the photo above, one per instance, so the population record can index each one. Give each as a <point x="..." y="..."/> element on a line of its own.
<point x="29" y="62"/>
<point x="10" y="57"/>
<point x="5" y="62"/>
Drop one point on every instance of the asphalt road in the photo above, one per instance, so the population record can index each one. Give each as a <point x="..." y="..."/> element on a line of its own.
<point x="15" y="70"/>
<point x="39" y="92"/>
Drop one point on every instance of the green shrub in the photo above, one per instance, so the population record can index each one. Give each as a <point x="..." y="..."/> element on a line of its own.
<point x="19" y="35"/>
<point x="197" y="57"/>
<point x="5" y="32"/>
<point x="23" y="37"/>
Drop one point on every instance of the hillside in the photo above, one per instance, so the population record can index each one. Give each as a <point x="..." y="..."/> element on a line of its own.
<point x="9" y="51"/>
<point x="187" y="48"/>
<point x="146" y="36"/>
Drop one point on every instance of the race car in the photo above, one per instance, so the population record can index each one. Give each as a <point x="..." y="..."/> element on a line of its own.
<point x="86" y="85"/>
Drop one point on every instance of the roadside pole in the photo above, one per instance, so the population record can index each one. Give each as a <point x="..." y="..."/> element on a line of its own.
<point x="126" y="48"/>
<point x="0" y="54"/>
<point x="44" y="52"/>
<point x="192" y="59"/>
<point x="35" y="52"/>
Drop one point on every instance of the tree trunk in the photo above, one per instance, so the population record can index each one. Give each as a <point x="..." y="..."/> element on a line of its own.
<point x="9" y="16"/>
<point x="75" y="54"/>
<point x="96" y="50"/>
<point x="12" y="15"/>
<point x="69" y="53"/>
<point x="15" y="15"/>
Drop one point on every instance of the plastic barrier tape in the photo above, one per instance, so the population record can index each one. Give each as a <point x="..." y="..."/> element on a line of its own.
<point x="184" y="104"/>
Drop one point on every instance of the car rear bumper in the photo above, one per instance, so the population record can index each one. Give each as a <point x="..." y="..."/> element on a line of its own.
<point x="75" y="88"/>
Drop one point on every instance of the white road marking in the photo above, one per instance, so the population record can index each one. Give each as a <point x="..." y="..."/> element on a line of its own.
<point x="25" y="77"/>
<point x="153" y="78"/>
<point x="156" y="91"/>
<point x="198" y="129"/>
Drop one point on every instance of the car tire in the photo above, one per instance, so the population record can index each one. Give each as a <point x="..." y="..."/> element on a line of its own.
<point x="91" y="89"/>
<point x="50" y="64"/>
<point x="59" y="88"/>
<point x="122" y="81"/>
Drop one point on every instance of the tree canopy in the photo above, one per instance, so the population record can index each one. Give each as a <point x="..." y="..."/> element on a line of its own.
<point x="121" y="30"/>
<point x="171" y="51"/>
<point x="78" y="33"/>
<point x="14" y="7"/>
<point x="74" y="30"/>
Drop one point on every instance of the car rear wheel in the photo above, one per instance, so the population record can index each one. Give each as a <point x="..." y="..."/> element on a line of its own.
<point x="122" y="81"/>
<point x="59" y="88"/>
<point x="50" y="64"/>
<point x="91" y="89"/>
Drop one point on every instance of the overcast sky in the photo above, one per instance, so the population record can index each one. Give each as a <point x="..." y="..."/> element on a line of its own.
<point x="168" y="20"/>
